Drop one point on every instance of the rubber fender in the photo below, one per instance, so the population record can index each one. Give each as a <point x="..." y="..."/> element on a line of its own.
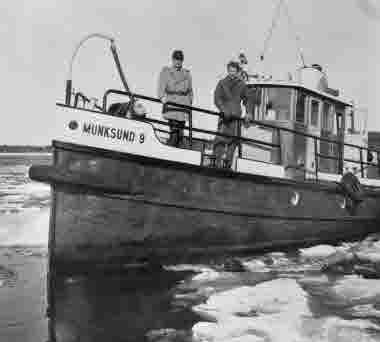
<point x="352" y="187"/>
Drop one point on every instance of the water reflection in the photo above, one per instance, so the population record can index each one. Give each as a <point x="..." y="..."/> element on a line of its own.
<point x="125" y="307"/>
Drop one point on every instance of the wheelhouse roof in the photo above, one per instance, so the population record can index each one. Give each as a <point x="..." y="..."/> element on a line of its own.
<point x="295" y="85"/>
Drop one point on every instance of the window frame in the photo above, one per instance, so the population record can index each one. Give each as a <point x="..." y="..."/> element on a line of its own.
<point x="350" y="119"/>
<point x="330" y="117"/>
<point x="266" y="102"/>
<point x="312" y="99"/>
<point x="297" y="96"/>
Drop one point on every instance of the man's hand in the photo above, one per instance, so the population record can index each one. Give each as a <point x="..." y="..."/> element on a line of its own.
<point x="247" y="121"/>
<point x="226" y="116"/>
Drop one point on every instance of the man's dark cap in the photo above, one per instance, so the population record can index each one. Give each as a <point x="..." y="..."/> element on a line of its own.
<point x="233" y="64"/>
<point x="178" y="54"/>
<point x="316" y="66"/>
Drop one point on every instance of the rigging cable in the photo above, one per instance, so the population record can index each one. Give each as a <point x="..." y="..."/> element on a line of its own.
<point x="296" y="36"/>
<point x="271" y="29"/>
<point x="118" y="66"/>
<point x="282" y="3"/>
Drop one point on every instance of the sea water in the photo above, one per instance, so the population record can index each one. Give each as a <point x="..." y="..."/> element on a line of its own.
<point x="281" y="296"/>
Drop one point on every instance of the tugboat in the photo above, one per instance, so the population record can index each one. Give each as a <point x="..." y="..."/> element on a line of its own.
<point x="122" y="196"/>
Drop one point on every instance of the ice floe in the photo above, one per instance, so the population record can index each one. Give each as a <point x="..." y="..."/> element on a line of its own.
<point x="256" y="265"/>
<point x="353" y="289"/>
<point x="252" y="312"/>
<point x="319" y="251"/>
<point x="168" y="335"/>
<point x="363" y="258"/>
<point x="364" y="311"/>
<point x="278" y="310"/>
<point x="207" y="274"/>
<point x="24" y="228"/>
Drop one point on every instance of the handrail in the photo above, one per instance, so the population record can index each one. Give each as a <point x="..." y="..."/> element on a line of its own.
<point x="258" y="142"/>
<point x="324" y="156"/>
<point x="219" y="114"/>
<point x="83" y="97"/>
<point x="278" y="129"/>
<point x="199" y="130"/>
<point x="153" y="99"/>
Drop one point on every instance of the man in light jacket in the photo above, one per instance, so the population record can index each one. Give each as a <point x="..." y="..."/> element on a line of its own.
<point x="228" y="95"/>
<point x="175" y="85"/>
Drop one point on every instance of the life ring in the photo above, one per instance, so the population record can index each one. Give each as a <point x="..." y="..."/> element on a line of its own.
<point x="351" y="187"/>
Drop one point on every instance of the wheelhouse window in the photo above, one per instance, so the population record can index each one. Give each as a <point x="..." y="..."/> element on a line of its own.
<point x="314" y="113"/>
<point x="360" y="117"/>
<point x="350" y="123"/>
<point x="278" y="103"/>
<point x="327" y="116"/>
<point x="254" y="102"/>
<point x="339" y="115"/>
<point x="300" y="108"/>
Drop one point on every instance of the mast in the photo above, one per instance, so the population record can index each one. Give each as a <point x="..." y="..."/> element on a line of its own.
<point x="282" y="4"/>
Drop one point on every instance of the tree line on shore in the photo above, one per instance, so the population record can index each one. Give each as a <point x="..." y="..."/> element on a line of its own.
<point x="24" y="148"/>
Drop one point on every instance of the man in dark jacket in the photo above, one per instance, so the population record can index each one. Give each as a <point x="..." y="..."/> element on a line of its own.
<point x="228" y="95"/>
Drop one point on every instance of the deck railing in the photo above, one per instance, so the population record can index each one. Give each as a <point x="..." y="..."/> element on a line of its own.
<point x="189" y="109"/>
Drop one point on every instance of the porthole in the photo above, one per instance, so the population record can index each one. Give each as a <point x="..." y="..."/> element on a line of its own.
<point x="294" y="200"/>
<point x="73" y="125"/>
<point x="93" y="165"/>
<point x="343" y="203"/>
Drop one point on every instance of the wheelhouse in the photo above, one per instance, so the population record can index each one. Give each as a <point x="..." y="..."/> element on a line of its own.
<point x="300" y="105"/>
<point x="310" y="111"/>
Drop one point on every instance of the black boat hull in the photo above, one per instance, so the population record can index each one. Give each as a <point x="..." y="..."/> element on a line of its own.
<point x="113" y="209"/>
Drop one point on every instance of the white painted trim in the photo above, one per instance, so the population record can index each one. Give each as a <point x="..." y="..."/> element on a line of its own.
<point x="333" y="177"/>
<point x="142" y="138"/>
<point x="340" y="99"/>
<point x="370" y="181"/>
<point x="259" y="168"/>
<point x="330" y="177"/>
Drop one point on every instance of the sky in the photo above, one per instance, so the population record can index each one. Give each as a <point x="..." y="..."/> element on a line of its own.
<point x="38" y="38"/>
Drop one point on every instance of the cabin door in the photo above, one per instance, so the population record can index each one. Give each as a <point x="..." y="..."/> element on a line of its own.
<point x="314" y="128"/>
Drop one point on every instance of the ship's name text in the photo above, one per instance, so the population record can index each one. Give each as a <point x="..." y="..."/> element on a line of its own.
<point x="113" y="133"/>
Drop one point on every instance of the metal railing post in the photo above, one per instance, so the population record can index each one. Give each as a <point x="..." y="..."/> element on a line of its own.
<point x="279" y="148"/>
<point x="340" y="157"/>
<point x="69" y="86"/>
<point x="240" y="152"/>
<point x="203" y="154"/>
<point x="316" y="158"/>
<point x="361" y="162"/>
<point x="190" y="129"/>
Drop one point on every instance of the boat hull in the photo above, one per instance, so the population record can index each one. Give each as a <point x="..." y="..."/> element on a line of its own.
<point x="115" y="209"/>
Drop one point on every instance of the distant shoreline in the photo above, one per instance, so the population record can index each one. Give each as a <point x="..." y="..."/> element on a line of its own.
<point x="5" y="149"/>
<point x="15" y="154"/>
